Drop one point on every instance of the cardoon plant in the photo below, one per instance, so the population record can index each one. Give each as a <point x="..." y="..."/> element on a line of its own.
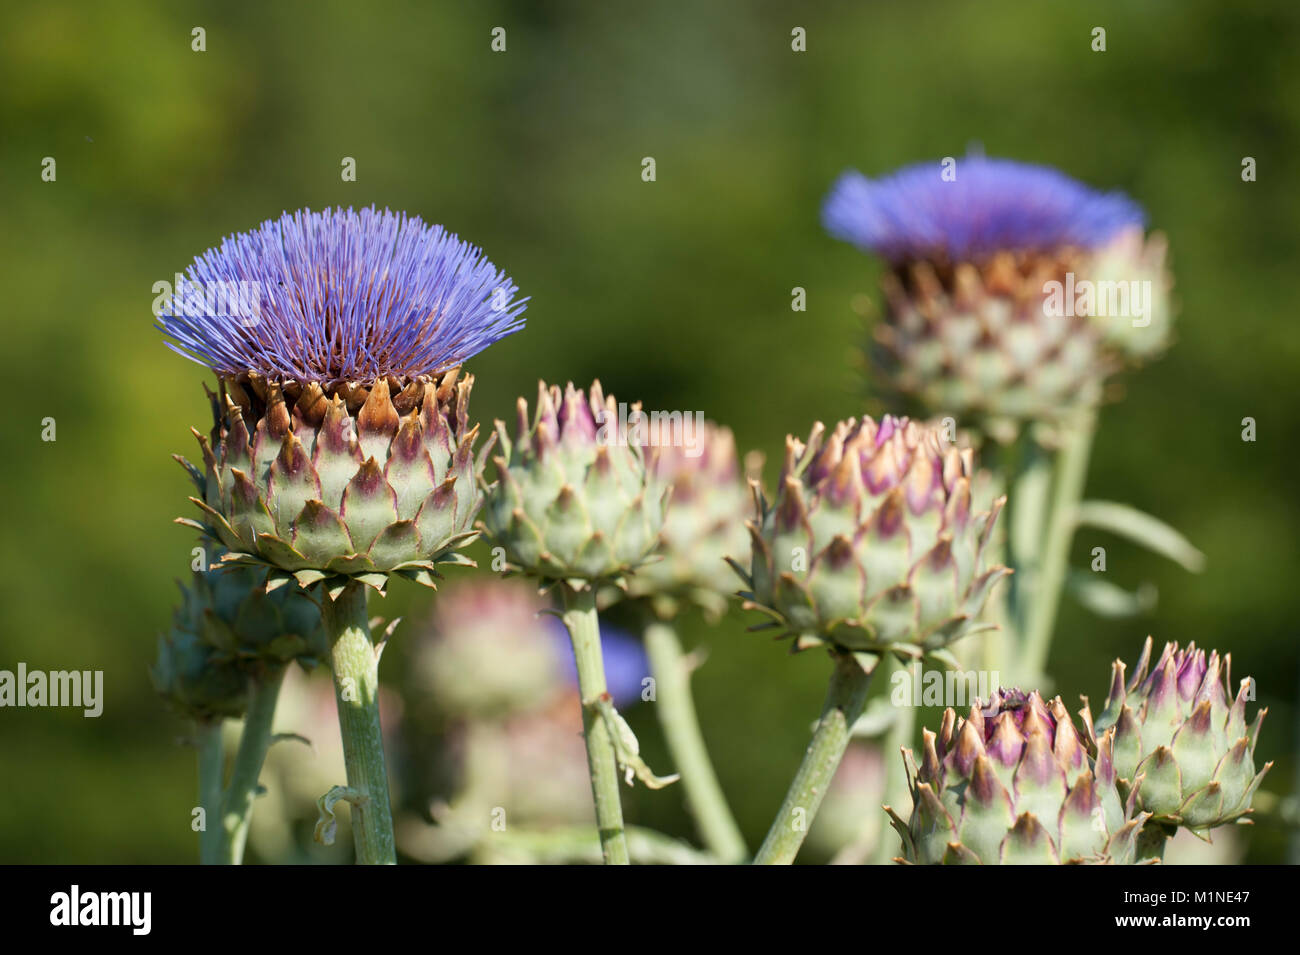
<point x="1011" y="293"/>
<point x="340" y="451"/>
<point x="871" y="547"/>
<point x="986" y="313"/>
<point x="574" y="507"/>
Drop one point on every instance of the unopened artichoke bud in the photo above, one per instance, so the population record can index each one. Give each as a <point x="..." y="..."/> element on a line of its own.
<point x="1130" y="270"/>
<point x="231" y="609"/>
<point x="988" y="312"/>
<point x="341" y="446"/>
<point x="1013" y="783"/>
<point x="320" y="485"/>
<point x="1181" y="741"/>
<point x="573" y="500"/>
<point x="872" y="543"/>
<point x="488" y="652"/>
<point x="196" y="679"/>
<point x="705" y="524"/>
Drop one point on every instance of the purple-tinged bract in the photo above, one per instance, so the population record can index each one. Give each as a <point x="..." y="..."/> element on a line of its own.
<point x="1182" y="743"/>
<point x="1014" y="783"/>
<point x="340" y="296"/>
<point x="872" y="542"/>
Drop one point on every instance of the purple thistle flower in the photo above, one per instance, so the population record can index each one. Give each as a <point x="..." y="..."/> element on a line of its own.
<point x="340" y="295"/>
<point x="992" y="205"/>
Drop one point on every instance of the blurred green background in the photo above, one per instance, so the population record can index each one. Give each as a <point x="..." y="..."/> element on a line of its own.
<point x="676" y="292"/>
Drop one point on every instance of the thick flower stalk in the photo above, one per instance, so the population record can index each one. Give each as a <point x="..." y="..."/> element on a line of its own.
<point x="872" y="543"/>
<point x="1013" y="783"/>
<point x="1011" y="292"/>
<point x="574" y="506"/>
<point x="1182" y="744"/>
<point x="340" y="451"/>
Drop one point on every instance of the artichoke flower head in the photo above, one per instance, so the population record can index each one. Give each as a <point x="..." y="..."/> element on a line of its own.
<point x="1015" y="783"/>
<point x="1011" y="290"/>
<point x="340" y="447"/>
<point x="872" y="543"/>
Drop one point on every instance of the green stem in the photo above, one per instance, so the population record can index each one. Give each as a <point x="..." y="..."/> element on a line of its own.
<point x="602" y="762"/>
<point x="897" y="790"/>
<point x="237" y="807"/>
<point x="211" y="768"/>
<point x="845" y="701"/>
<point x="1071" y="475"/>
<point x="356" y="690"/>
<point x="676" y="711"/>
<point x="1028" y="472"/>
<point x="1151" y="840"/>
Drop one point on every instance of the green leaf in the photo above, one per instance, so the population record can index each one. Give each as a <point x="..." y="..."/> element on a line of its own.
<point x="326" y="823"/>
<point x="628" y="749"/>
<point x="1141" y="528"/>
<point x="1109" y="600"/>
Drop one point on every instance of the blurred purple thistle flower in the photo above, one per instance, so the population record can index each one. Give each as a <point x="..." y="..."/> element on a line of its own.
<point x="626" y="663"/>
<point x="340" y="295"/>
<point x="992" y="205"/>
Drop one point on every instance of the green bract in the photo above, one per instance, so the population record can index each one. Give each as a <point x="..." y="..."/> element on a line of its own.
<point x="872" y="544"/>
<point x="1013" y="784"/>
<point x="357" y="483"/>
<point x="1132" y="268"/>
<point x="1181" y="744"/>
<point x="233" y="611"/>
<point x="705" y="524"/>
<point x="573" y="500"/>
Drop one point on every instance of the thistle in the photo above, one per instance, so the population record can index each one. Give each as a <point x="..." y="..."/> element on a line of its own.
<point x="993" y="308"/>
<point x="340" y="445"/>
<point x="574" y="506"/>
<point x="1013" y="783"/>
<point x="872" y="544"/>
<point x="340" y="451"/>
<point x="1182" y="744"/>
<point x="573" y="501"/>
<point x="871" y="547"/>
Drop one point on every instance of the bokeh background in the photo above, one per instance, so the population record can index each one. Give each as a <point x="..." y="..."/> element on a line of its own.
<point x="676" y="292"/>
